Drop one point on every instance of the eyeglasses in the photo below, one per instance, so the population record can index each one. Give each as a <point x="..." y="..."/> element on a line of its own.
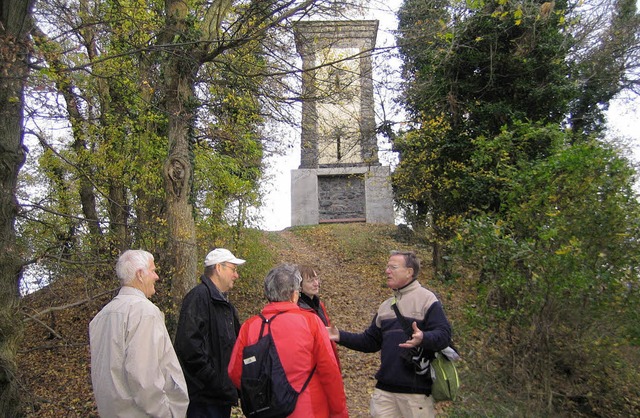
<point x="394" y="268"/>
<point x="234" y="268"/>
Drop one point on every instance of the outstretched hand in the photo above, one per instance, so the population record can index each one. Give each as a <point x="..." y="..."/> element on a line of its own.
<point x="334" y="334"/>
<point x="416" y="337"/>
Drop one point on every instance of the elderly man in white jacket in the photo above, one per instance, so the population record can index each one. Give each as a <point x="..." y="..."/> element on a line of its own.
<point x="134" y="369"/>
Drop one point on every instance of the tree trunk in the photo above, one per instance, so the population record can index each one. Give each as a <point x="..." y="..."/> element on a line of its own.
<point x="65" y="86"/>
<point x="14" y="52"/>
<point x="180" y="69"/>
<point x="178" y="173"/>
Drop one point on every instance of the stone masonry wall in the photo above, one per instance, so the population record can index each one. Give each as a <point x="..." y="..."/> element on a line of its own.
<point x="341" y="197"/>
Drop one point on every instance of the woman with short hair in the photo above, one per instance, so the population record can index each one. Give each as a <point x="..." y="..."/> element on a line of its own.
<point x="302" y="342"/>
<point x="310" y="299"/>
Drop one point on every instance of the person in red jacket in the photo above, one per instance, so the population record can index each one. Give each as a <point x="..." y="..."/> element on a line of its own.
<point x="310" y="301"/>
<point x="302" y="341"/>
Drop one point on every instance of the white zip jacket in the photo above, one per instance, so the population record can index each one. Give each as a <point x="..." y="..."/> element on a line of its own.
<point x="134" y="368"/>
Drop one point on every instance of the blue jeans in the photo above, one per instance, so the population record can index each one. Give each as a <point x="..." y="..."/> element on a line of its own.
<point x="206" y="410"/>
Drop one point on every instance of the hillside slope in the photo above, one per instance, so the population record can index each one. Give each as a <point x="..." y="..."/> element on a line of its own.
<point x="350" y="260"/>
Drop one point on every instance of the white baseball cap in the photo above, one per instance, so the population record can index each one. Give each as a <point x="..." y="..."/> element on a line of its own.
<point x="221" y="255"/>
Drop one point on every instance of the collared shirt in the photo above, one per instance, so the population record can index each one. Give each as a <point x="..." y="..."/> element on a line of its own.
<point x="134" y="368"/>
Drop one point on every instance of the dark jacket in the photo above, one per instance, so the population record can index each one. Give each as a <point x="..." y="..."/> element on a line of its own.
<point x="316" y="306"/>
<point x="207" y="330"/>
<point x="385" y="334"/>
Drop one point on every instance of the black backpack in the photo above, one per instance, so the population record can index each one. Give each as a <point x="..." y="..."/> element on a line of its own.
<point x="265" y="391"/>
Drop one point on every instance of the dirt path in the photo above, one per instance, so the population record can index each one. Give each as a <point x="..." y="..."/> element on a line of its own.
<point x="352" y="297"/>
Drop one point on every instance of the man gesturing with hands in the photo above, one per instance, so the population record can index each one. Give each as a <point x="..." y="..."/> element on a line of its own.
<point x="402" y="389"/>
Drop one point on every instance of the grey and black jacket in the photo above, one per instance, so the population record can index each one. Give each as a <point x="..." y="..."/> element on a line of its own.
<point x="385" y="333"/>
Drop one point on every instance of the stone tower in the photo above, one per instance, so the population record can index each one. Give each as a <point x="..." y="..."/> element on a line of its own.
<point x="340" y="178"/>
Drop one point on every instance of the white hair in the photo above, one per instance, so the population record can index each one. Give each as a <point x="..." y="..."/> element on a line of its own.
<point x="130" y="262"/>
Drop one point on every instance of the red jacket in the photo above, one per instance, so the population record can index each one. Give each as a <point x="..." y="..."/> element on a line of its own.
<point x="302" y="341"/>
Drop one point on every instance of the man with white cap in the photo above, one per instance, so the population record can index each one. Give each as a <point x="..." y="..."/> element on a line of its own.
<point x="207" y="330"/>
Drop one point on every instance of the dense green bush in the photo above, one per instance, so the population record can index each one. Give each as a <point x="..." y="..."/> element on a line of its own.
<point x="557" y="289"/>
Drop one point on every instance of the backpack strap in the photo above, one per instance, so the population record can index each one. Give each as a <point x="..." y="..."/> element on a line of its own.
<point x="308" y="379"/>
<point x="408" y="329"/>
<point x="266" y="321"/>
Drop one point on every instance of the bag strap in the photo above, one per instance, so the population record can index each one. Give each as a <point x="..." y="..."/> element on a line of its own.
<point x="408" y="329"/>
<point x="308" y="379"/>
<point x="406" y="326"/>
<point x="266" y="321"/>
